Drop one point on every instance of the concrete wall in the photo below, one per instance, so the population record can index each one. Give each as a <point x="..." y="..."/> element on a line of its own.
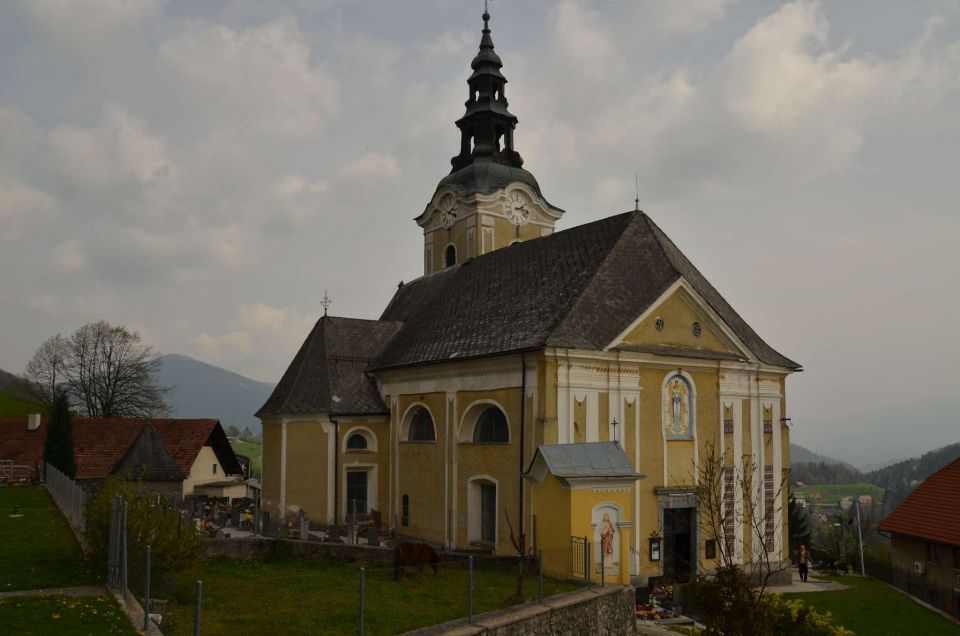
<point x="594" y="611"/>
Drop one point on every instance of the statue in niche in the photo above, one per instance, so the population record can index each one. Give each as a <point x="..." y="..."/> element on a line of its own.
<point x="678" y="406"/>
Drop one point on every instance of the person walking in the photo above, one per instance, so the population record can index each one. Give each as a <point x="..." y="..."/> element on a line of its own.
<point x="803" y="562"/>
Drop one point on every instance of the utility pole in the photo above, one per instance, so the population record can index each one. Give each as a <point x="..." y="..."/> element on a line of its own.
<point x="863" y="571"/>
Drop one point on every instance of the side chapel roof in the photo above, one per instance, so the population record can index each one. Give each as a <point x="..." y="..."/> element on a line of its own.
<point x="328" y="373"/>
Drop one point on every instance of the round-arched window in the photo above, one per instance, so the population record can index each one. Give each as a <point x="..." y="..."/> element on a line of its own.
<point x="450" y="256"/>
<point x="357" y="441"/>
<point x="491" y="427"/>
<point x="421" y="427"/>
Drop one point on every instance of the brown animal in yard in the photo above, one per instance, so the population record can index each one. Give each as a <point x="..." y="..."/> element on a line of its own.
<point x="409" y="554"/>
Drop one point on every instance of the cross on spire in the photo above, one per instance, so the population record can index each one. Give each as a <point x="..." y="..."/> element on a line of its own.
<point x="326" y="302"/>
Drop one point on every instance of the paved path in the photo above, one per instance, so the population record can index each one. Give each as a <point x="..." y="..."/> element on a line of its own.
<point x="84" y="590"/>
<point x="812" y="584"/>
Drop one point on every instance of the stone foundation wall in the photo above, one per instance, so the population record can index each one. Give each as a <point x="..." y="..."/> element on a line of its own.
<point x="260" y="547"/>
<point x="596" y="611"/>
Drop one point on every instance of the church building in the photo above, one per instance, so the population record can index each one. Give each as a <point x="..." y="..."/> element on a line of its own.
<point x="565" y="384"/>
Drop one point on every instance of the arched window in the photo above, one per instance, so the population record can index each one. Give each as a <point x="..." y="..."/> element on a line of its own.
<point x="450" y="256"/>
<point x="357" y="442"/>
<point x="491" y="427"/>
<point x="421" y="427"/>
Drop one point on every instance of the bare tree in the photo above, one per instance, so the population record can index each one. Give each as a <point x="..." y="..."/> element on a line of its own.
<point x="730" y="497"/>
<point x="105" y="369"/>
<point x="46" y="371"/>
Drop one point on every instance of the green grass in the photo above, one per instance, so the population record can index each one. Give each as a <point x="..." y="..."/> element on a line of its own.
<point x="63" y="615"/>
<point x="251" y="450"/>
<point x="832" y="493"/>
<point x="869" y="607"/>
<point x="12" y="406"/>
<point x="309" y="596"/>
<point x="38" y="549"/>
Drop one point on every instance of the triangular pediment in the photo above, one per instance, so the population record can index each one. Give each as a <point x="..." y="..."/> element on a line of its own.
<point x="681" y="322"/>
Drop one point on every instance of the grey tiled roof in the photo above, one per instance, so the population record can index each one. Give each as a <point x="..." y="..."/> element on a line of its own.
<point x="148" y="459"/>
<point x="577" y="288"/>
<point x="328" y="373"/>
<point x="592" y="459"/>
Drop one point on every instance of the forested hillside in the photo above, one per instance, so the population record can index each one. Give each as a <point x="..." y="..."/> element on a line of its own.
<point x="901" y="478"/>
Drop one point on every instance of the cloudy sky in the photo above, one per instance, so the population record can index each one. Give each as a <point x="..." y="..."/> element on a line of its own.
<point x="202" y="172"/>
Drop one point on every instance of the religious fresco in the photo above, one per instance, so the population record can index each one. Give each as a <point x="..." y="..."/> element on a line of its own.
<point x="678" y="408"/>
<point x="605" y="520"/>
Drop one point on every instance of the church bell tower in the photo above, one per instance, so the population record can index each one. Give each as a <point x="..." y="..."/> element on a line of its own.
<point x="488" y="201"/>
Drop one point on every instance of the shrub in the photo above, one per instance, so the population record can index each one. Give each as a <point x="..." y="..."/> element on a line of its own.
<point x="732" y="606"/>
<point x="150" y="521"/>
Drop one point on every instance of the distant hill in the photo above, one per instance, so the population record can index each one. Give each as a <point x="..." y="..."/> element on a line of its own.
<point x="799" y="454"/>
<point x="203" y="390"/>
<point x="7" y="381"/>
<point x="901" y="478"/>
<point x="13" y="406"/>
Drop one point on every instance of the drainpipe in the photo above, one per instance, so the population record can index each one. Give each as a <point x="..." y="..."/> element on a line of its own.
<point x="336" y="470"/>
<point x="523" y="410"/>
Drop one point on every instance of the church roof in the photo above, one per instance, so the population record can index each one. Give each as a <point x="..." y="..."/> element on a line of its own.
<point x="328" y="373"/>
<point x="578" y="288"/>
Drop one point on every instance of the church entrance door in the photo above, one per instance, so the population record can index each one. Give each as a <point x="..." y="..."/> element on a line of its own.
<point x="678" y="543"/>
<point x="357" y="492"/>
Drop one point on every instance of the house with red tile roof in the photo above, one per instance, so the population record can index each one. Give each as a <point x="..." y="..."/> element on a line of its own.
<point x="169" y="456"/>
<point x="925" y="540"/>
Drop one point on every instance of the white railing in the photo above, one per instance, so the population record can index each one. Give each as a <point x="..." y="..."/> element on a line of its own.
<point x="11" y="473"/>
<point x="69" y="496"/>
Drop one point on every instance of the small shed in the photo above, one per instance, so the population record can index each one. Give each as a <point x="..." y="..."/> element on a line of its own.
<point x="583" y="499"/>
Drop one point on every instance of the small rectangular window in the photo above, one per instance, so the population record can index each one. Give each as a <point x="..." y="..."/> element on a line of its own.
<point x="956" y="558"/>
<point x="214" y="469"/>
<point x="710" y="549"/>
<point x="933" y="553"/>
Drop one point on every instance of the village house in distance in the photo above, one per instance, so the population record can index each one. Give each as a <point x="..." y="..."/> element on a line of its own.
<point x="565" y="382"/>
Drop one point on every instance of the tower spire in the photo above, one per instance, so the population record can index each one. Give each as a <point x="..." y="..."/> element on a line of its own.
<point x="486" y="128"/>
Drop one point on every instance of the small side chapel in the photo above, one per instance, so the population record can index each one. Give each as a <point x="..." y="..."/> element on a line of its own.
<point x="567" y="383"/>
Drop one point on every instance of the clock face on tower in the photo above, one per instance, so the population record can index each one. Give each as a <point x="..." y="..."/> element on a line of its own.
<point x="517" y="208"/>
<point x="448" y="211"/>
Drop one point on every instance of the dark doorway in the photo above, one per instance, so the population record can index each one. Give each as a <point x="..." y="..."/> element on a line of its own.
<point x="357" y="492"/>
<point x="678" y="543"/>
<point x="488" y="513"/>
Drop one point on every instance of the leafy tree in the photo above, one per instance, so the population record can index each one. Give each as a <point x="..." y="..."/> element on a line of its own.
<point x="58" y="447"/>
<point x="174" y="545"/>
<point x="233" y="431"/>
<point x="798" y="525"/>
<point x="105" y="370"/>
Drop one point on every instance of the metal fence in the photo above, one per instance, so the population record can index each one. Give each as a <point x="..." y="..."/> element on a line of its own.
<point x="944" y="598"/>
<point x="69" y="496"/>
<point x="580" y="558"/>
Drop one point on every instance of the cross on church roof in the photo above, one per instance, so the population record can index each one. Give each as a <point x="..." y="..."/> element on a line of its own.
<point x="326" y="302"/>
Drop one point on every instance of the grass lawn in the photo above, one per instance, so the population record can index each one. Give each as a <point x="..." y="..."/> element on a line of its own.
<point x="38" y="549"/>
<point x="12" y="406"/>
<point x="832" y="493"/>
<point x="63" y="615"/>
<point x="251" y="450"/>
<point x="869" y="607"/>
<point x="308" y="596"/>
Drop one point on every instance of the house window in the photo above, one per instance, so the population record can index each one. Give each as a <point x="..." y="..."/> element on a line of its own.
<point x="491" y="427"/>
<point x="421" y="427"/>
<point x="405" y="511"/>
<point x="214" y="469"/>
<point x="933" y="552"/>
<point x="357" y="442"/>
<point x="956" y="558"/>
<point x="450" y="256"/>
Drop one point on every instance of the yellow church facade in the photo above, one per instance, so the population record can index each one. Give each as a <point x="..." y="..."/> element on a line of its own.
<point x="549" y="383"/>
